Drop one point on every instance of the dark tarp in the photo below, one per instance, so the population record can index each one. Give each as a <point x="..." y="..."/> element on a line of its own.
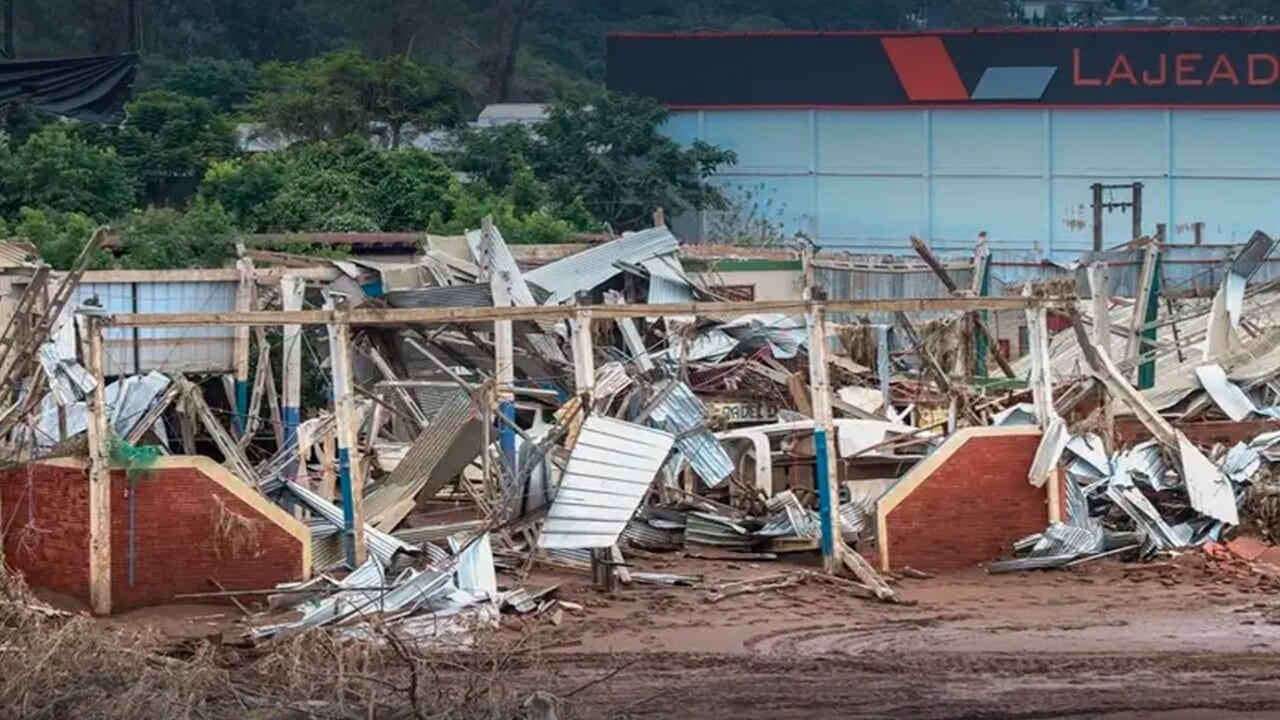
<point x="91" y="89"/>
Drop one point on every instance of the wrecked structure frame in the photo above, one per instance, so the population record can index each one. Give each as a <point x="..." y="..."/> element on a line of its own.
<point x="581" y="318"/>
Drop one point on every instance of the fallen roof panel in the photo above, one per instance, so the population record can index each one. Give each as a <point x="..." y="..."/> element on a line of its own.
<point x="609" y="471"/>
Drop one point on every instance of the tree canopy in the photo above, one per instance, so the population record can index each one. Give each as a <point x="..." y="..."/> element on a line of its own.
<point x="328" y="115"/>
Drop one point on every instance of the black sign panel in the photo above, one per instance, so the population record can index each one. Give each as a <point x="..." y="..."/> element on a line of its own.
<point x="1076" y="68"/>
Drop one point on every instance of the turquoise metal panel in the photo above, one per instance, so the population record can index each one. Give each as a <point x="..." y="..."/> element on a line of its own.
<point x="990" y="142"/>
<point x="870" y="143"/>
<point x="767" y="142"/>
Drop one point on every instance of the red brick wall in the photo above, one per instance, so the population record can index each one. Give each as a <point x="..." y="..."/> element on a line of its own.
<point x="45" y="513"/>
<point x="971" y="508"/>
<point x="1131" y="431"/>
<point x="189" y="531"/>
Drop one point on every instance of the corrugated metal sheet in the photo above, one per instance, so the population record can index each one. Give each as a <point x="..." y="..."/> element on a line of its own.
<point x="447" y="445"/>
<point x="587" y="269"/>
<point x="717" y="531"/>
<point x="468" y="295"/>
<point x="381" y="545"/>
<point x="684" y="415"/>
<point x="17" y="254"/>
<point x="1228" y="396"/>
<point x="1209" y="491"/>
<point x="503" y="262"/>
<point x="610" y="469"/>
<point x="171" y="349"/>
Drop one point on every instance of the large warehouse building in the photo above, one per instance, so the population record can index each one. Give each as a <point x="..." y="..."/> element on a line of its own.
<point x="863" y="139"/>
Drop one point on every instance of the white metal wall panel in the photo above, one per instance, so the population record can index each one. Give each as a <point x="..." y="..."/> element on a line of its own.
<point x="117" y="346"/>
<point x="1002" y="207"/>
<point x="1236" y="208"/>
<point x="786" y="201"/>
<point x="186" y="349"/>
<point x="609" y="471"/>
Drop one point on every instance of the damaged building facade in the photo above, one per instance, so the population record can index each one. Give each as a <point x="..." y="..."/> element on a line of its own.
<point x="335" y="440"/>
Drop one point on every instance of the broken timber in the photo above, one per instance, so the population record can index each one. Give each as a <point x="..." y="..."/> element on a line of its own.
<point x="406" y="316"/>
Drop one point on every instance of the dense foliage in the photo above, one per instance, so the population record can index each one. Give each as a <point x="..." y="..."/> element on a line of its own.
<point x="329" y="115"/>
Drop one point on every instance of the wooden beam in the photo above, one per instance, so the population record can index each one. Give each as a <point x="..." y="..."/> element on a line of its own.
<point x="420" y="316"/>
<point x="922" y="249"/>
<point x="262" y="276"/>
<point x="99" y="480"/>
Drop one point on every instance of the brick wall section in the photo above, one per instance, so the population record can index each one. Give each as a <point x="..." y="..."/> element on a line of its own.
<point x="971" y="508"/>
<point x="1131" y="431"/>
<point x="189" y="531"/>
<point x="45" y="512"/>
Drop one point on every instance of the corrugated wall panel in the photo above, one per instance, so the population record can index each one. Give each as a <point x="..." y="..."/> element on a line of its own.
<point x="865" y="180"/>
<point x="187" y="349"/>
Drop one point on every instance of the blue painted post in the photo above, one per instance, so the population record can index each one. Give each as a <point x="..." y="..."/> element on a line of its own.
<point x="825" y="469"/>
<point x="244" y="303"/>
<point x="350" y="476"/>
<point x="822" y="466"/>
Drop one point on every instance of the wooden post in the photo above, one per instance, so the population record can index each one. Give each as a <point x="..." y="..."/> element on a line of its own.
<point x="1100" y="290"/>
<point x="244" y="303"/>
<point x="883" y="370"/>
<point x="584" y="359"/>
<point x="826" y="465"/>
<point x="350" y="467"/>
<point x="99" y="479"/>
<point x="292" y="291"/>
<point x="503" y="349"/>
<point x="980" y="286"/>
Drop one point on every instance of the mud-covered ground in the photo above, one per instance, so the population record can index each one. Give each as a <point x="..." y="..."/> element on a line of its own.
<point x="1190" y="638"/>
<point x="1195" y="636"/>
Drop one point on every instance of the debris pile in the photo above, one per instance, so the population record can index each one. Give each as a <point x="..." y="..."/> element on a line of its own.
<point x="441" y="427"/>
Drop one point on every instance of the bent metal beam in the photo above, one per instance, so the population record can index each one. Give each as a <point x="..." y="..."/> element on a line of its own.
<point x="403" y="316"/>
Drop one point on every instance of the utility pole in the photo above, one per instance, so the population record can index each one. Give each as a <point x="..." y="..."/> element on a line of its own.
<point x="1134" y="205"/>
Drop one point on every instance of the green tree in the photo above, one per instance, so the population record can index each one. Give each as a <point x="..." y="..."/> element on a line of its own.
<point x="979" y="13"/>
<point x="168" y="141"/>
<point x="345" y="93"/>
<point x="225" y="84"/>
<point x="604" y="149"/>
<point x="56" y="168"/>
<point x="161" y="238"/>
<point x="59" y="236"/>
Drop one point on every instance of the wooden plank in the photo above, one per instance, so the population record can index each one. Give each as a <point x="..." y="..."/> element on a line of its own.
<point x="99" y="480"/>
<point x="419" y="316"/>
